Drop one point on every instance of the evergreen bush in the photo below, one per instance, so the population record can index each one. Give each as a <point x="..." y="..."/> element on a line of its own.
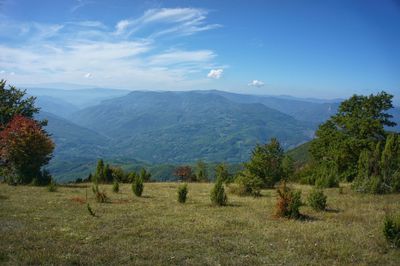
<point x="138" y="186"/>
<point x="317" y="200"/>
<point x="218" y="195"/>
<point x="182" y="193"/>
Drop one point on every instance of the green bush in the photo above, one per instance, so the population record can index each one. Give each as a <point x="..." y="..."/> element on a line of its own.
<point x="52" y="187"/>
<point x="218" y="195"/>
<point x="289" y="202"/>
<point x="317" y="200"/>
<point x="101" y="197"/>
<point x="115" y="186"/>
<point x="247" y="184"/>
<point x="182" y="193"/>
<point x="137" y="186"/>
<point x="391" y="229"/>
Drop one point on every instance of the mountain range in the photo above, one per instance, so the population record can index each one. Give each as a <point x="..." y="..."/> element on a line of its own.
<point x="149" y="127"/>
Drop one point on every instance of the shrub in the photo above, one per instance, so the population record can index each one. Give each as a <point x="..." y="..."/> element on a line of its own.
<point x="289" y="202"/>
<point x="218" y="195"/>
<point x="137" y="186"/>
<point x="248" y="184"/>
<point x="91" y="212"/>
<point x="391" y="229"/>
<point x="317" y="200"/>
<point x="101" y="197"/>
<point x="182" y="193"/>
<point x="115" y="186"/>
<point x="52" y="187"/>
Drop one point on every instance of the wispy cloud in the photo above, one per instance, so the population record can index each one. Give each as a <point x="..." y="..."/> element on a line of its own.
<point x="90" y="52"/>
<point x="79" y="4"/>
<point x="179" y="21"/>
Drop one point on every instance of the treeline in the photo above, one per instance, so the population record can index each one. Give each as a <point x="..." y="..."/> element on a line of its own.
<point x="355" y="146"/>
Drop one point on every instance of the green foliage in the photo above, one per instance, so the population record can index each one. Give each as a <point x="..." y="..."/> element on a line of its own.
<point x="266" y="162"/>
<point x="119" y="175"/>
<point x="301" y="154"/>
<point x="287" y="167"/>
<point x="222" y="173"/>
<point x="52" y="186"/>
<point x="14" y="102"/>
<point x="138" y="186"/>
<point x="144" y="175"/>
<point x="201" y="171"/>
<point x="357" y="126"/>
<point x="378" y="171"/>
<point x="325" y="175"/>
<point x="100" y="196"/>
<point x="218" y="195"/>
<point x="132" y="177"/>
<point x="108" y="174"/>
<point x="99" y="175"/>
<point x="317" y="200"/>
<point x="182" y="193"/>
<point x="391" y="229"/>
<point x="115" y="186"/>
<point x="247" y="184"/>
<point x="288" y="203"/>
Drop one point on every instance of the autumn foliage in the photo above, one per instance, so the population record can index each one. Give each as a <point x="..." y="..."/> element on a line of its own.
<point x="24" y="148"/>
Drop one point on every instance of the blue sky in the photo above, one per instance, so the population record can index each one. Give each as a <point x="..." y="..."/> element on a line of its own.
<point x="322" y="49"/>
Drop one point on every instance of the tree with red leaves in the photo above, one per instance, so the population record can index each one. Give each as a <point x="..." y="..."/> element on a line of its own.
<point x="24" y="148"/>
<point x="185" y="173"/>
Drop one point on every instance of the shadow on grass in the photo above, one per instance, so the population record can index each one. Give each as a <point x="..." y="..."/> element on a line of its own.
<point x="146" y="197"/>
<point x="74" y="186"/>
<point x="2" y="197"/>
<point x="233" y="204"/>
<point x="307" y="218"/>
<point x="331" y="210"/>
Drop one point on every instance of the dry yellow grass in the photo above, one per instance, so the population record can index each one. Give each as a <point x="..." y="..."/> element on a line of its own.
<point x="39" y="227"/>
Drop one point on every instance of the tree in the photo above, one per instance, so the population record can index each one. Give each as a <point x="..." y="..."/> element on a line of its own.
<point x="390" y="162"/>
<point x="145" y="175"/>
<point x="24" y="148"/>
<point x="99" y="175"/>
<point x="184" y="173"/>
<point x="108" y="174"/>
<point x="266" y="162"/>
<point x="222" y="173"/>
<point x="379" y="171"/>
<point x="14" y="102"/>
<point x="287" y="167"/>
<point x="201" y="171"/>
<point x="358" y="125"/>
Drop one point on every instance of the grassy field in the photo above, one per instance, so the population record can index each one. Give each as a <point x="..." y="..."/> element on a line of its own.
<point x="39" y="227"/>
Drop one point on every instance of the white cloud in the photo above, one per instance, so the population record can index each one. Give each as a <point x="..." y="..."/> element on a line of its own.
<point x="177" y="21"/>
<point x="2" y="72"/>
<point x="121" y="26"/>
<point x="71" y="52"/>
<point x="256" y="83"/>
<point x="215" y="73"/>
<point x="176" y="57"/>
